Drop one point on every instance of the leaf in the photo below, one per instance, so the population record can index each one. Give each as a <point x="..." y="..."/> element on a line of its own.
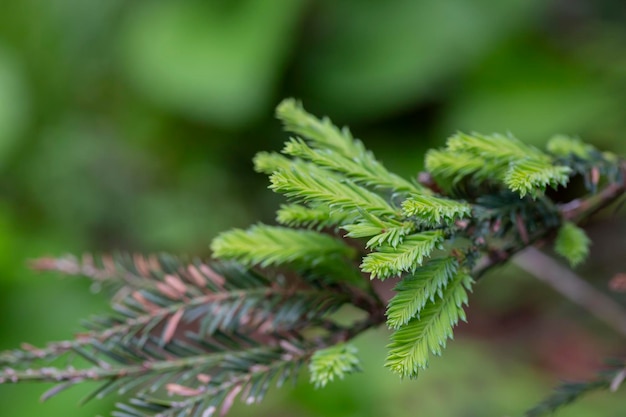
<point x="572" y="243"/>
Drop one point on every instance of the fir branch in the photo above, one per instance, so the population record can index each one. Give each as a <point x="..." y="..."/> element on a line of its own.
<point x="389" y="232"/>
<point x="450" y="168"/>
<point x="433" y="210"/>
<point x="532" y="176"/>
<point x="333" y="362"/>
<point x="367" y="171"/>
<point x="318" y="217"/>
<point x="497" y="148"/>
<point x="419" y="288"/>
<point x="268" y="245"/>
<point x="521" y="167"/>
<point x="249" y="378"/>
<point x="270" y="162"/>
<point x="322" y="132"/>
<point x="568" y="392"/>
<point x="412" y="343"/>
<point x="564" y="146"/>
<point x="388" y="261"/>
<point x="316" y="186"/>
<point x="199" y="332"/>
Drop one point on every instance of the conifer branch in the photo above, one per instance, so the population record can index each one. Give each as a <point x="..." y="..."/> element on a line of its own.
<point x="268" y="245"/>
<point x="419" y="288"/>
<point x="388" y="261"/>
<point x="186" y="338"/>
<point x="569" y="392"/>
<point x="412" y="344"/>
<point x="336" y="149"/>
<point x="318" y="217"/>
<point x="317" y="186"/>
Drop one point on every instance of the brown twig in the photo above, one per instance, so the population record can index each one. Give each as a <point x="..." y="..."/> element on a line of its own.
<point x="573" y="287"/>
<point x="579" y="209"/>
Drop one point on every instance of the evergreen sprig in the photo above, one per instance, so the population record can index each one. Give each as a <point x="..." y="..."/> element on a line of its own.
<point x="197" y="332"/>
<point x="417" y="289"/>
<point x="427" y="332"/>
<point x="188" y="337"/>
<point x="270" y="245"/>
<point x="333" y="362"/>
<point x="433" y="210"/>
<point x="406" y="257"/>
<point x="524" y="169"/>
<point x="572" y="243"/>
<point x="336" y="149"/>
<point x="611" y="379"/>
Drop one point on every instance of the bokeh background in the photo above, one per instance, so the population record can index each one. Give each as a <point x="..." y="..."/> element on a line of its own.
<point x="131" y="124"/>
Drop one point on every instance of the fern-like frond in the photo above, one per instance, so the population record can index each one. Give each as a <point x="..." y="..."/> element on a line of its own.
<point x="249" y="377"/>
<point x="572" y="243"/>
<point x="532" y="176"/>
<point x="564" y="146"/>
<point x="367" y="171"/>
<point x="270" y="245"/>
<point x="270" y="162"/>
<point x="450" y="168"/>
<point x="521" y="167"/>
<point x="609" y="379"/>
<point x="322" y="132"/>
<point x="419" y="288"/>
<point x="320" y="187"/>
<point x="333" y="362"/>
<point x="564" y="395"/>
<point x="433" y="210"/>
<point x="297" y="215"/>
<point x="503" y="149"/>
<point x="412" y="344"/>
<point x="381" y="232"/>
<point x="186" y="337"/>
<point x="388" y="261"/>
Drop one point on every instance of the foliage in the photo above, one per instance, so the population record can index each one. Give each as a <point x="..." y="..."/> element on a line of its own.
<point x="572" y="243"/>
<point x="188" y="337"/>
<point x="333" y="362"/>
<point x="571" y="391"/>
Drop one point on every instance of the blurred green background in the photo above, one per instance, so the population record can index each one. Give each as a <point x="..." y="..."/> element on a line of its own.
<point x="131" y="124"/>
